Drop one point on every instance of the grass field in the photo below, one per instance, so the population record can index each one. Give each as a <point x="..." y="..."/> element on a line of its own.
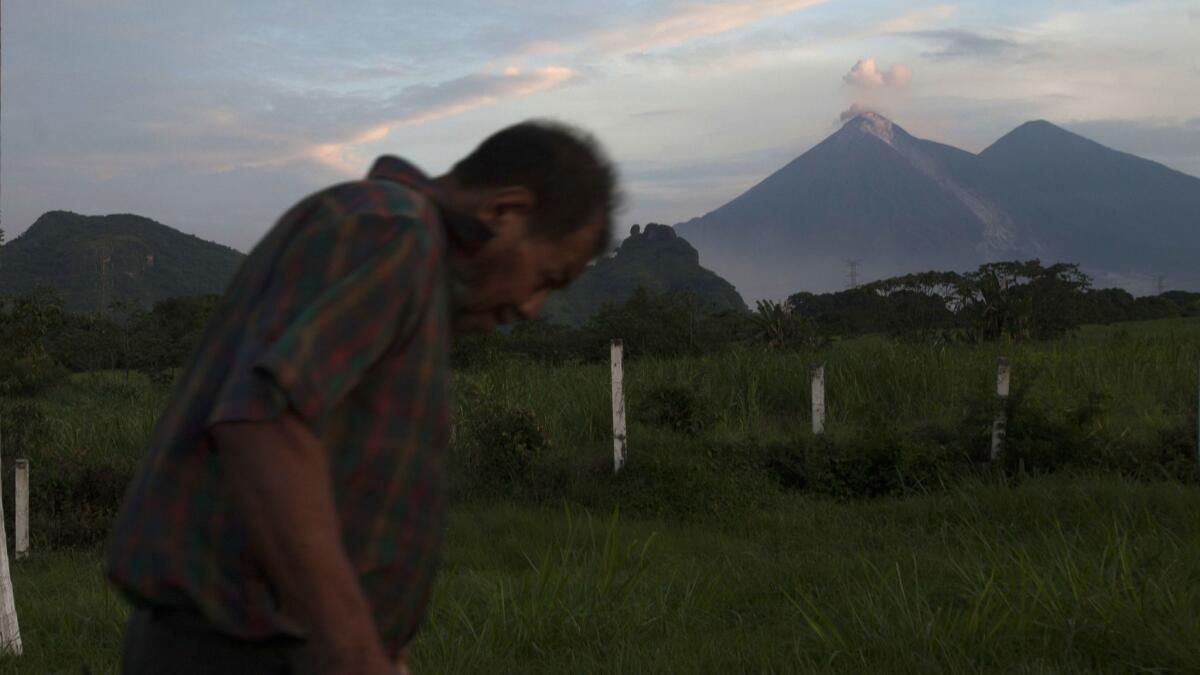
<point x="1052" y="576"/>
<point x="716" y="562"/>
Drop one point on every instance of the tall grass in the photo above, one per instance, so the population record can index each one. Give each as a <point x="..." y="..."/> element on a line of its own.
<point x="712" y="564"/>
<point x="1147" y="372"/>
<point x="900" y="415"/>
<point x="1052" y="576"/>
<point x="1143" y="376"/>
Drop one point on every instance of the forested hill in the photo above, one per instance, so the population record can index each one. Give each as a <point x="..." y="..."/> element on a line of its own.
<point x="136" y="261"/>
<point x="121" y="258"/>
<point x="656" y="259"/>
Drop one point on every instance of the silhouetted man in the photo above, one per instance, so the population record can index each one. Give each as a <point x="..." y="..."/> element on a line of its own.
<point x="289" y="512"/>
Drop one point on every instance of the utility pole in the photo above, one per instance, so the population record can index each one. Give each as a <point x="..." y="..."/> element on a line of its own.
<point x="852" y="272"/>
<point x="1160" y="284"/>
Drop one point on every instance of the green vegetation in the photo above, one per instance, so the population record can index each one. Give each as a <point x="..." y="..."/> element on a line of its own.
<point x="902" y="418"/>
<point x="655" y="259"/>
<point x="93" y="261"/>
<point x="1011" y="300"/>
<point x="1052" y="576"/>
<point x="743" y="544"/>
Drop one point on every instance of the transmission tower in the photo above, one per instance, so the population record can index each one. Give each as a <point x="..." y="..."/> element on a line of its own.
<point x="852" y="272"/>
<point x="104" y="250"/>
<point x="1160" y="284"/>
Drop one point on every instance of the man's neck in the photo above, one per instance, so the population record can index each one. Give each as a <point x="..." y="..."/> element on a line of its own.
<point x="456" y="202"/>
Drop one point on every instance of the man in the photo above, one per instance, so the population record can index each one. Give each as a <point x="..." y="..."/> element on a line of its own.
<point x="288" y="514"/>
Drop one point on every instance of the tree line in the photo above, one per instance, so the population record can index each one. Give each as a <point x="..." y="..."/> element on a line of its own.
<point x="1016" y="300"/>
<point x="40" y="342"/>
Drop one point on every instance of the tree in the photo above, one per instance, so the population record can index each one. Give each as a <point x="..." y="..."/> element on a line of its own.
<point x="165" y="337"/>
<point x="652" y="324"/>
<point x="780" y="327"/>
<point x="1016" y="300"/>
<point x="25" y="322"/>
<point x="1022" y="300"/>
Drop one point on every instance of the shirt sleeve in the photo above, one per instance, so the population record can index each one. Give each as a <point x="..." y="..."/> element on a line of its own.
<point x="316" y="333"/>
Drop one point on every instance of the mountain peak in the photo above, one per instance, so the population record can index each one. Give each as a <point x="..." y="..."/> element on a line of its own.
<point x="872" y="118"/>
<point x="867" y="123"/>
<point x="1042" y="137"/>
<point x="144" y="261"/>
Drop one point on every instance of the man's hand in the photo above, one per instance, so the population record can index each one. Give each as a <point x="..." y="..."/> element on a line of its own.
<point x="279" y="477"/>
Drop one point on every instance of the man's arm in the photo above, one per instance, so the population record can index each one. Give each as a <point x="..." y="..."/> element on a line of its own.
<point x="279" y="476"/>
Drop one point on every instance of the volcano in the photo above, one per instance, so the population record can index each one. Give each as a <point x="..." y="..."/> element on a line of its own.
<point x="872" y="192"/>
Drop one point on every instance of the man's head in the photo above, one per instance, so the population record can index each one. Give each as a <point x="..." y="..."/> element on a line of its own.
<point x="548" y="194"/>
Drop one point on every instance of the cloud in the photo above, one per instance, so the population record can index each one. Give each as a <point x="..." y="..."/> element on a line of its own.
<point x="421" y="104"/>
<point x="955" y="43"/>
<point x="696" y="21"/>
<point x="910" y="20"/>
<point x="866" y="75"/>
<point x="748" y="49"/>
<point x="659" y="112"/>
<point x="255" y="126"/>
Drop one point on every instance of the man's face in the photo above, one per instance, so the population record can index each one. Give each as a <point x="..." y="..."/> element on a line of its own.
<point x="515" y="271"/>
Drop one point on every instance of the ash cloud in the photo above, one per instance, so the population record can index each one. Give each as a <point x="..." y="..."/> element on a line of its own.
<point x="865" y="74"/>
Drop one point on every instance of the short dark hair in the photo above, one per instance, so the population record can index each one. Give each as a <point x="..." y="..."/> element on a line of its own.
<point x="565" y="167"/>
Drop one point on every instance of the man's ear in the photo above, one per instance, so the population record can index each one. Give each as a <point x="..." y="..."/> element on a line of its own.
<point x="506" y="207"/>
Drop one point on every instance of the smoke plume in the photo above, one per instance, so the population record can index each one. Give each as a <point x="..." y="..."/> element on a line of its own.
<point x="866" y="75"/>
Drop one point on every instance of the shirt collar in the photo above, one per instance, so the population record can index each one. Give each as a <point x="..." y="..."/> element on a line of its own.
<point x="468" y="232"/>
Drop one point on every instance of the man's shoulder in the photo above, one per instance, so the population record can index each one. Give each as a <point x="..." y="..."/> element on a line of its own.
<point x="379" y="197"/>
<point x="371" y="210"/>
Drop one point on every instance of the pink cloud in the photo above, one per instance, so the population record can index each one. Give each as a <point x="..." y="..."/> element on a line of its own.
<point x="694" y="21"/>
<point x="866" y="75"/>
<point x="511" y="83"/>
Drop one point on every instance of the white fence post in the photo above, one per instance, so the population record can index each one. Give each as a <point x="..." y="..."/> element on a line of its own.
<point x="10" y="631"/>
<point x="21" y="501"/>
<point x="618" y="406"/>
<point x="1000" y="424"/>
<point x="818" y="399"/>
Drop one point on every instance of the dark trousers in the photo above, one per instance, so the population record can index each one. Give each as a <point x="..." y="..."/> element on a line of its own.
<point x="180" y="642"/>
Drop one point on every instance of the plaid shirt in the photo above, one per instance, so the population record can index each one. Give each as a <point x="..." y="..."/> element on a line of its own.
<point x="342" y="312"/>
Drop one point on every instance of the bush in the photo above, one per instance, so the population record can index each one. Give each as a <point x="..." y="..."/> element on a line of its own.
<point x="29" y="373"/>
<point x="504" y="446"/>
<point x="787" y="465"/>
<point x="875" y="463"/>
<point x="1040" y="438"/>
<point x="75" y="507"/>
<point x="859" y="467"/>
<point x="707" y="480"/>
<point x="24" y="430"/>
<point x="674" y="407"/>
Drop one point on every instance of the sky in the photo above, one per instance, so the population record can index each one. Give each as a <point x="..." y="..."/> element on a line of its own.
<point x="214" y="117"/>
